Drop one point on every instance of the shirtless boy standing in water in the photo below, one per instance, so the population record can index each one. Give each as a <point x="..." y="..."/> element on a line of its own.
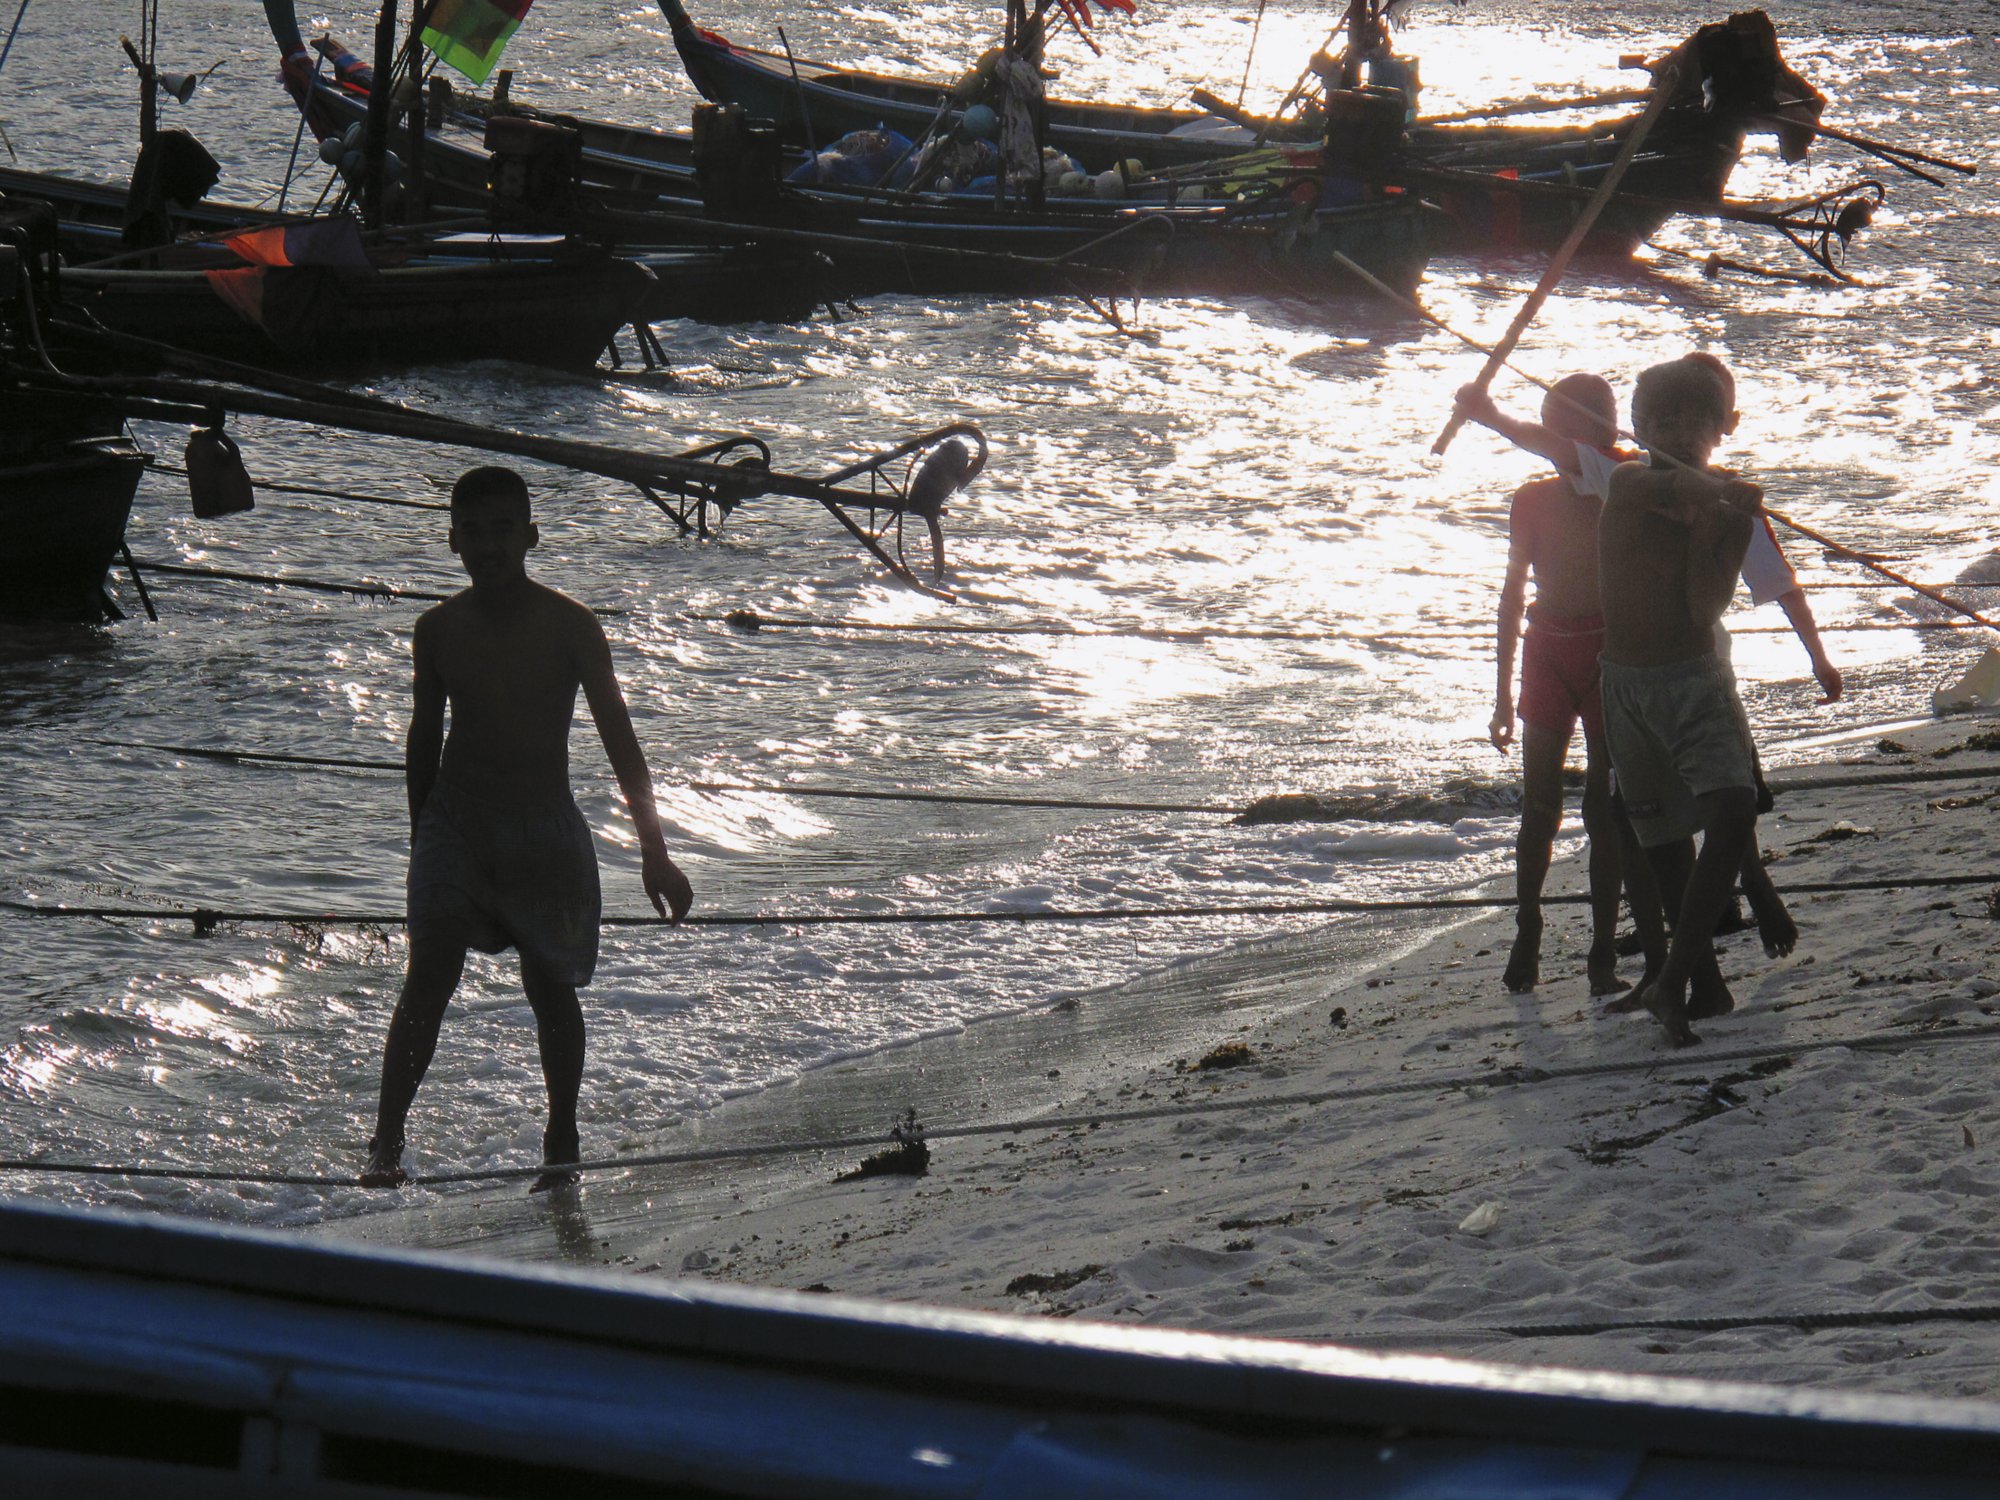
<point x="500" y="856"/>
<point x="1552" y="533"/>
<point x="1671" y="543"/>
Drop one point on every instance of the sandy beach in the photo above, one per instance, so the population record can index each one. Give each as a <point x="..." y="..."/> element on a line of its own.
<point x="1388" y="1150"/>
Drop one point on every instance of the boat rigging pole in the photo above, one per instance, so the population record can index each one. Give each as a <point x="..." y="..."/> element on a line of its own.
<point x="375" y="134"/>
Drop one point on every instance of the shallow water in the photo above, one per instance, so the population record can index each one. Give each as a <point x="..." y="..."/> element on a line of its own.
<point x="1251" y="466"/>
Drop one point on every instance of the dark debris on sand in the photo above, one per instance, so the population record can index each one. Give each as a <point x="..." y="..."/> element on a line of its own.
<point x="909" y="1157"/>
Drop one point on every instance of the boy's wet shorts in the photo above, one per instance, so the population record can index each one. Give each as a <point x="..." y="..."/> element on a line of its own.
<point x="1676" y="733"/>
<point x="1559" y="674"/>
<point x="494" y="877"/>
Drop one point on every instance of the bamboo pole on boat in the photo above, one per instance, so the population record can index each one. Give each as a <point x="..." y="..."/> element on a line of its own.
<point x="1486" y="182"/>
<point x="1893" y="155"/>
<point x="1534" y="107"/>
<point x="1664" y="83"/>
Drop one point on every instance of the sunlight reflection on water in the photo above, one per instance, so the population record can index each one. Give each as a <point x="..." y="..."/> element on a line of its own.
<point x="1261" y="466"/>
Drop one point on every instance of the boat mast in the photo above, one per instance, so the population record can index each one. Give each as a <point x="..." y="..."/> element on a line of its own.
<point x="375" y="135"/>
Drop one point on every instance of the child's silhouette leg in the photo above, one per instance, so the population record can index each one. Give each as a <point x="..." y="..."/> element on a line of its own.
<point x="1541" y="814"/>
<point x="559" y="1031"/>
<point x="428" y="986"/>
<point x="1600" y="826"/>
<point x="1703" y="884"/>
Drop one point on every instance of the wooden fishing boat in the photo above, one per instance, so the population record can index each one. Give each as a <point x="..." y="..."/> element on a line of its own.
<point x="149" y="1356"/>
<point x="68" y="472"/>
<point x="705" y="282"/>
<point x="68" y="469"/>
<point x="549" y="312"/>
<point x="1740" y="85"/>
<point x="641" y="187"/>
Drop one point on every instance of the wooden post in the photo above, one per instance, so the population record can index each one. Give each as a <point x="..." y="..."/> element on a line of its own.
<point x="1664" y="84"/>
<point x="375" y="134"/>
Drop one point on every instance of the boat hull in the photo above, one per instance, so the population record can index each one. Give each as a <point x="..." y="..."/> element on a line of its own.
<point x="152" y="1357"/>
<point x="1687" y="163"/>
<point x="313" y="318"/>
<point x="63" y="509"/>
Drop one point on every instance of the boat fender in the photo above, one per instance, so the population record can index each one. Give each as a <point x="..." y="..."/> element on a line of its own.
<point x="218" y="484"/>
<point x="945" y="471"/>
<point x="1073" y="184"/>
<point x="980" y="122"/>
<point x="331" y="149"/>
<point x="1108" y="184"/>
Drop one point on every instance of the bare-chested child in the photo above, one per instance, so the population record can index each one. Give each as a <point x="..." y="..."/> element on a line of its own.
<point x="1671" y="543"/>
<point x="1768" y="576"/>
<point x="500" y="856"/>
<point x="1552" y="534"/>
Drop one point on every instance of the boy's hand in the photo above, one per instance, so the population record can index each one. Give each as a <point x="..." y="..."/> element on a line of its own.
<point x="666" y="886"/>
<point x="1501" y="729"/>
<point x="1473" y="404"/>
<point x="1830" y="681"/>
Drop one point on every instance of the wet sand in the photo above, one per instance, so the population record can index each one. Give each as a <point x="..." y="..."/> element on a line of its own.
<point x="1405" y="1156"/>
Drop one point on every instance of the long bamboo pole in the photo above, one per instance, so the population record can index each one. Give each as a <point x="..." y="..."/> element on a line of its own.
<point x="1664" y="83"/>
<point x="1839" y="549"/>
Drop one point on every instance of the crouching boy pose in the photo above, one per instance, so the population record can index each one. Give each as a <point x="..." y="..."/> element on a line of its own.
<point x="1671" y="542"/>
<point x="500" y="857"/>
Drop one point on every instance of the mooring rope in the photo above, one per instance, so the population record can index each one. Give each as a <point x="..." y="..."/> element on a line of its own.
<point x="750" y="622"/>
<point x="312" y="489"/>
<point x="272" y="580"/>
<point x="312" y="585"/>
<point x="1887" y="1317"/>
<point x="206" y="919"/>
<point x="1493" y="1078"/>
<point x="1893" y="776"/>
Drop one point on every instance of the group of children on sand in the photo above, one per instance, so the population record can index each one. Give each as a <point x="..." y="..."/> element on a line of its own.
<point x="1635" y="558"/>
<point x="1634" y="561"/>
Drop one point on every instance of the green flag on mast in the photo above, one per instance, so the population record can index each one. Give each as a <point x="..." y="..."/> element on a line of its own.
<point x="470" y="35"/>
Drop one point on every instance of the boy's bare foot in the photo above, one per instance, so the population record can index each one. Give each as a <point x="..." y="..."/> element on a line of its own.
<point x="1602" y="967"/>
<point x="1779" y="931"/>
<point x="561" y="1150"/>
<point x="553" y="1178"/>
<point x="385" y="1166"/>
<point x="1707" y="1001"/>
<point x="1634" y="999"/>
<point x="1524" y="963"/>
<point x="1669" y="1008"/>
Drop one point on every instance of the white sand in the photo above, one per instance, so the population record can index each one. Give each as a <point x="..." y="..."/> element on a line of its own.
<point x="1812" y="1176"/>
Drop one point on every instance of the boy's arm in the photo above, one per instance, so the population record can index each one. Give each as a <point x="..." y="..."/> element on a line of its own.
<point x="1718" y="536"/>
<point x="1474" y="405"/>
<point x="666" y="886"/>
<point x="1513" y="597"/>
<point x="423" y="747"/>
<point x="1799" y="612"/>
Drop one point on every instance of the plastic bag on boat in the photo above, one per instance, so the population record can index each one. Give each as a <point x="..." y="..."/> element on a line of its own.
<point x="861" y="158"/>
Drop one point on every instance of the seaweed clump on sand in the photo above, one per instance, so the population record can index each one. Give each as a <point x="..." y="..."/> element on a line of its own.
<point x="908" y="1157"/>
<point x="1228" y="1055"/>
<point x="1035" y="1285"/>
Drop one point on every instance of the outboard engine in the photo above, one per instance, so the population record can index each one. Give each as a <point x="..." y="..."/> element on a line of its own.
<point x="536" y="171"/>
<point x="736" y="160"/>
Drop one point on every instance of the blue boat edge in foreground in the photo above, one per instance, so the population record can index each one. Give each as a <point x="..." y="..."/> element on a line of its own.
<point x="150" y="1353"/>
